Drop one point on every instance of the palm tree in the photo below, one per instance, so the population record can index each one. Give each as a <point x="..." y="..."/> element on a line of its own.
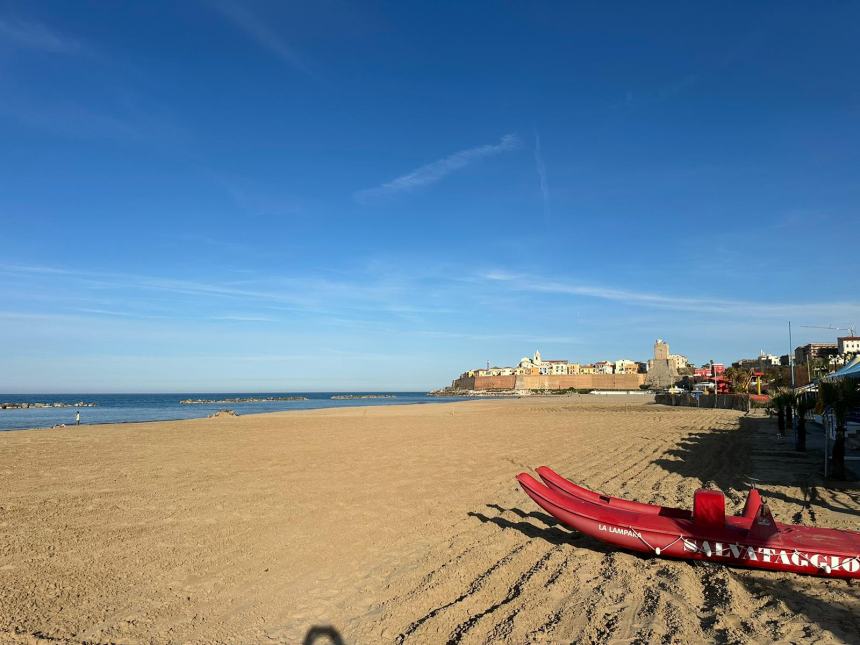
<point x="780" y="401"/>
<point x="840" y="395"/>
<point x="740" y="380"/>
<point x="802" y="405"/>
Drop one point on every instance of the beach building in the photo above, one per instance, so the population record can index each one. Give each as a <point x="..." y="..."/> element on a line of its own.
<point x="707" y="370"/>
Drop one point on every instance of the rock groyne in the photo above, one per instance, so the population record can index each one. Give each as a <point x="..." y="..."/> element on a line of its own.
<point x="24" y="405"/>
<point x="267" y="399"/>
<point x="349" y="397"/>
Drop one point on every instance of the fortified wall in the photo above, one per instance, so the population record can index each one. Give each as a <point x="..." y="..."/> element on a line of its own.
<point x="485" y="383"/>
<point x="551" y="382"/>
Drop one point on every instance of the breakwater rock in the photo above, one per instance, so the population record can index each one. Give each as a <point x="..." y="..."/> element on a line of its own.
<point x="266" y="399"/>
<point x="478" y="393"/>
<point x="347" y="397"/>
<point x="223" y="413"/>
<point x="24" y="405"/>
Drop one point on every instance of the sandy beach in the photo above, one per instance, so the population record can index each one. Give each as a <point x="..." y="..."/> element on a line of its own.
<point x="396" y="524"/>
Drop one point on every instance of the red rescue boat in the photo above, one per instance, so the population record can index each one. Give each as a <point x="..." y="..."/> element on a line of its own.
<point x="751" y="539"/>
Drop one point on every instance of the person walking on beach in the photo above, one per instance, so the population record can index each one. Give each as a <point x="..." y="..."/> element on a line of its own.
<point x="77" y="417"/>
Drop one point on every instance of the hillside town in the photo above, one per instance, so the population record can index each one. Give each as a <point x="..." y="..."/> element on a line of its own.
<point x="663" y="371"/>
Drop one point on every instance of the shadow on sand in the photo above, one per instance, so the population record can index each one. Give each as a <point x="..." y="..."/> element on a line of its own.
<point x="547" y="528"/>
<point x="838" y="616"/>
<point x="731" y="460"/>
<point x="322" y="635"/>
<point x="734" y="459"/>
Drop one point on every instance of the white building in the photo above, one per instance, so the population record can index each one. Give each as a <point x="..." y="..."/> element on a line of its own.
<point x="679" y="361"/>
<point x="534" y="361"/>
<point x="497" y="371"/>
<point x="767" y="360"/>
<point x="557" y="368"/>
<point x="849" y="344"/>
<point x="603" y="367"/>
<point x="625" y="366"/>
<point x="545" y="368"/>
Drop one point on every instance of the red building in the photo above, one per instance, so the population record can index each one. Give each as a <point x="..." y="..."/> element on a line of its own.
<point x="706" y="372"/>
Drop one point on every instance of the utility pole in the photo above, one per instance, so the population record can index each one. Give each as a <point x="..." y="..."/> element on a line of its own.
<point x="790" y="355"/>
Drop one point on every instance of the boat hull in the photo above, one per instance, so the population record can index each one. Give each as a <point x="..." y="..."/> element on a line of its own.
<point x="564" y="486"/>
<point x="804" y="550"/>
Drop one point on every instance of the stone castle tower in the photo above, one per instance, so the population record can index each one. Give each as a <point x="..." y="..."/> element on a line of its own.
<point x="661" y="371"/>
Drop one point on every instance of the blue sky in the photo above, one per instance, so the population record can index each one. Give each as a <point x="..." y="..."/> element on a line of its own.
<point x="315" y="196"/>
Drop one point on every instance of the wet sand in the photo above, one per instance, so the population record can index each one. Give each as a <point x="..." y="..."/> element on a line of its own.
<point x="396" y="524"/>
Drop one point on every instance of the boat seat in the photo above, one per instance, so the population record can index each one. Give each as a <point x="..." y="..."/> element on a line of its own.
<point x="752" y="505"/>
<point x="709" y="508"/>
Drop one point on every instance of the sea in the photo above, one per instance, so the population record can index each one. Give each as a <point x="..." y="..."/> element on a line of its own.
<point x="129" y="408"/>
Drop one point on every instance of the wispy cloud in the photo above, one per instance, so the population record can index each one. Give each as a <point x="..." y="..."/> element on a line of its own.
<point x="541" y="171"/>
<point x="70" y="119"/>
<point x="375" y="297"/>
<point x="517" y="338"/>
<point x="126" y="119"/>
<point x="36" y="36"/>
<point x="434" y="172"/>
<point x="242" y="318"/>
<point x="113" y="312"/>
<point x="713" y="306"/>
<point x="263" y="35"/>
<point x="303" y="294"/>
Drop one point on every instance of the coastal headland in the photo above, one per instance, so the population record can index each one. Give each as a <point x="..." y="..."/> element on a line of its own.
<point x="396" y="524"/>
